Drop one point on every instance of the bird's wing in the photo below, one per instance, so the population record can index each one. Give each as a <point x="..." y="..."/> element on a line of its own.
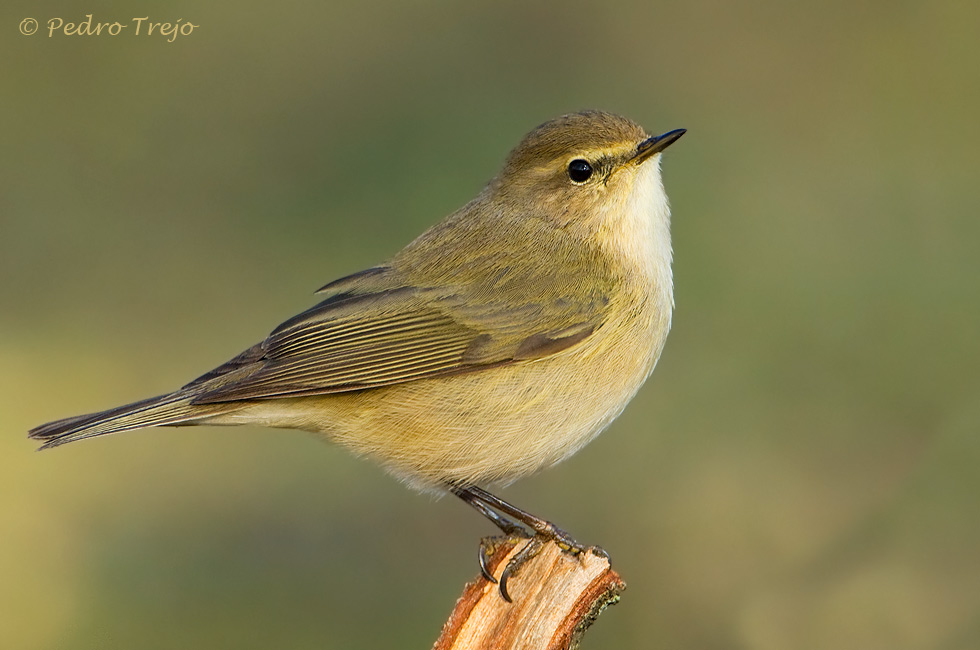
<point x="379" y="329"/>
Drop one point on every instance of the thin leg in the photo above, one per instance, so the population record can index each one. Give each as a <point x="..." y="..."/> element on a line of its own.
<point x="470" y="496"/>
<point x="476" y="495"/>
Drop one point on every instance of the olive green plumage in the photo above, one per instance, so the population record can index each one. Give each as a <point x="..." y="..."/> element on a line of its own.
<point x="501" y="340"/>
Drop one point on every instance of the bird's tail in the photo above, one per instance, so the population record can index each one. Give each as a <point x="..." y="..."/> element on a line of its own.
<point x="163" y="410"/>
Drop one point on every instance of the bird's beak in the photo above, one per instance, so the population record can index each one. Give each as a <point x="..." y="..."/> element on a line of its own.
<point x="656" y="144"/>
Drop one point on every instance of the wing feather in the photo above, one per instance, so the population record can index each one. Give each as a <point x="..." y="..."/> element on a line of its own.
<point x="380" y="330"/>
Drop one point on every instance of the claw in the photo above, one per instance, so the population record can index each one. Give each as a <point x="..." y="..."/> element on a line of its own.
<point x="532" y="548"/>
<point x="484" y="562"/>
<point x="503" y="586"/>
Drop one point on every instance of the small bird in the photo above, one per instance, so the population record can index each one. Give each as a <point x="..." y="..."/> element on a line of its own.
<point x="499" y="342"/>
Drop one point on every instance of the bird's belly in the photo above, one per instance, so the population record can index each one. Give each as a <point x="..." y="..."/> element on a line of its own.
<point x="493" y="425"/>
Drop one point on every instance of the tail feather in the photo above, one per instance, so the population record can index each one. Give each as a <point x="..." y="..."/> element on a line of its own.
<point x="163" y="410"/>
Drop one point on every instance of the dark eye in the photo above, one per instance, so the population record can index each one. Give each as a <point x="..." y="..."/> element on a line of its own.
<point x="579" y="170"/>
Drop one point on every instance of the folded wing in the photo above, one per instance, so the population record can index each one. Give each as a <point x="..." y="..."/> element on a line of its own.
<point x="384" y="331"/>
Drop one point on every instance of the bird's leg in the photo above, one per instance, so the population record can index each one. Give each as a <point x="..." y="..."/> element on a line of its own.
<point x="488" y="505"/>
<point x="510" y="528"/>
<point x="471" y="496"/>
<point x="541" y="527"/>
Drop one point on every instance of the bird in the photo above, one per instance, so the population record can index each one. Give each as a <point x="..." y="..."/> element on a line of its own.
<point x="497" y="343"/>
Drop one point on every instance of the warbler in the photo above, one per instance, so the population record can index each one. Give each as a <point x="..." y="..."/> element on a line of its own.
<point x="498" y="342"/>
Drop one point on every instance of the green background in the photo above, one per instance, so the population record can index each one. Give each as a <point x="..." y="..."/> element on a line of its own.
<point x="801" y="471"/>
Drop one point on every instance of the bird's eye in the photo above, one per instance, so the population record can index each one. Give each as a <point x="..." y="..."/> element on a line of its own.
<point x="579" y="170"/>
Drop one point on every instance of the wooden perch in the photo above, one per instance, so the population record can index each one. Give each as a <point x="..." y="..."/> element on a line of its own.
<point x="556" y="598"/>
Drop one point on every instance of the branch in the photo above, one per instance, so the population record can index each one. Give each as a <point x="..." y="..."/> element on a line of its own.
<point x="556" y="598"/>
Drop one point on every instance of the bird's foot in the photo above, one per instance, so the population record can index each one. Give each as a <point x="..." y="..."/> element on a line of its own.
<point x="533" y="545"/>
<point x="517" y="525"/>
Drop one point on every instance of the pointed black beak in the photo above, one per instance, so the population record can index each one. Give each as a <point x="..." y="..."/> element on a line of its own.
<point x="656" y="144"/>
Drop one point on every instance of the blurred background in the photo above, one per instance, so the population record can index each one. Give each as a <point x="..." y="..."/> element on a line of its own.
<point x="800" y="472"/>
